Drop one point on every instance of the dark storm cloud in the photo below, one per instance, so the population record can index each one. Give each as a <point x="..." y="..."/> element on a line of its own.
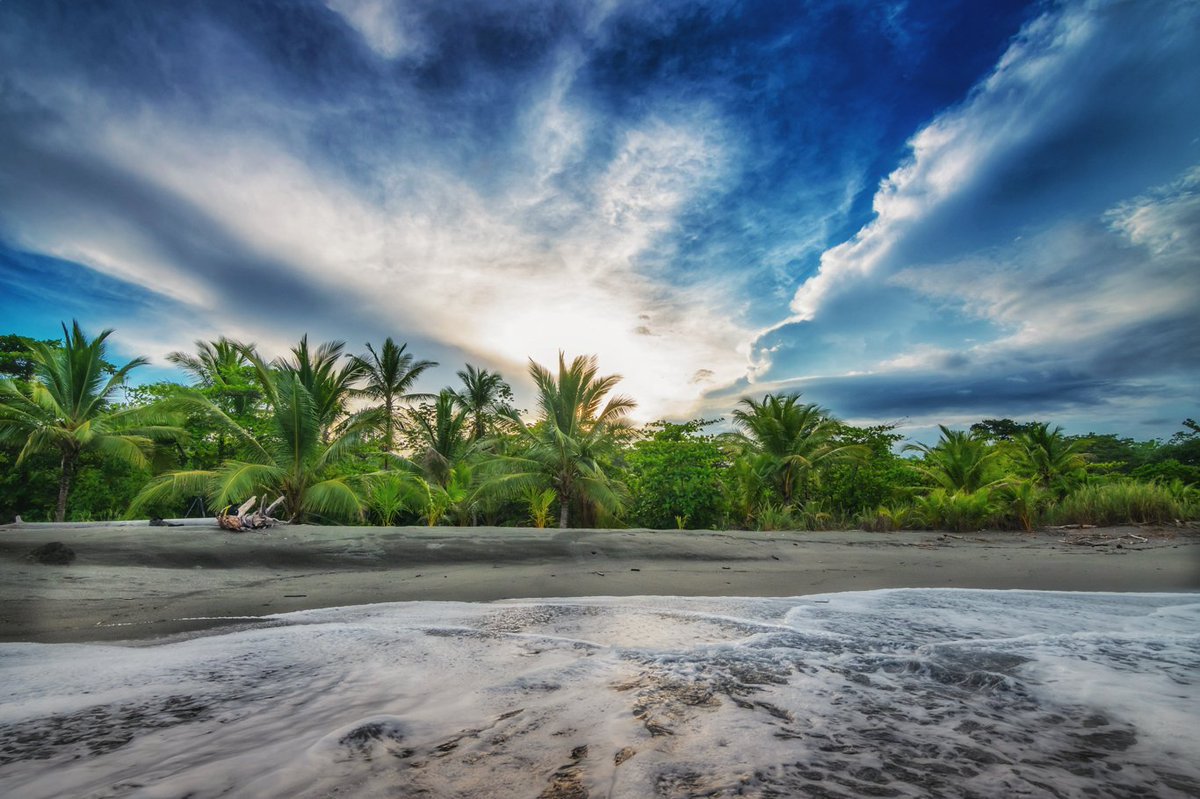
<point x="941" y="394"/>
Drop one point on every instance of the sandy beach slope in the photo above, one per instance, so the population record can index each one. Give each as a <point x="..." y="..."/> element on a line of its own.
<point x="137" y="582"/>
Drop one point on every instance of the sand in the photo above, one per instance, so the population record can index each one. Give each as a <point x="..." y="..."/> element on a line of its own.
<point x="135" y="582"/>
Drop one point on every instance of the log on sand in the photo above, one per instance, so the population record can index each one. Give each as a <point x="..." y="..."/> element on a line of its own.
<point x="243" y="520"/>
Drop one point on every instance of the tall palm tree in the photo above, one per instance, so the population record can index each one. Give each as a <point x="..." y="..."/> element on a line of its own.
<point x="67" y="408"/>
<point x="790" y="439"/>
<point x="329" y="385"/>
<point x="1047" y="456"/>
<point x="959" y="461"/>
<point x="571" y="445"/>
<point x="295" y="460"/>
<point x="388" y="376"/>
<point x="483" y="395"/>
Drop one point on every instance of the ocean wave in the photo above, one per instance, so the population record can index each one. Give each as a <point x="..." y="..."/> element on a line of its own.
<point x="897" y="693"/>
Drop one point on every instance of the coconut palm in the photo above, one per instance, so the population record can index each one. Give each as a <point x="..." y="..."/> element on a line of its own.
<point x="1047" y="456"/>
<point x="747" y="486"/>
<point x="67" y="408"/>
<point x="792" y="440"/>
<point x="329" y="385"/>
<point x="388" y="376"/>
<point x="221" y="371"/>
<point x="959" y="461"/>
<point x="483" y="395"/>
<point x="295" y="460"/>
<point x="438" y="437"/>
<point x="570" y="447"/>
<point x="221" y="367"/>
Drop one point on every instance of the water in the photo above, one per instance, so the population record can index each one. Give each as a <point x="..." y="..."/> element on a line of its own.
<point x="898" y="693"/>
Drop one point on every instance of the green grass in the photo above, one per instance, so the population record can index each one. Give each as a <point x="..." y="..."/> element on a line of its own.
<point x="1128" y="502"/>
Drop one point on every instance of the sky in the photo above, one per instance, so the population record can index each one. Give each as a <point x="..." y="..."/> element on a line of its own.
<point x="910" y="212"/>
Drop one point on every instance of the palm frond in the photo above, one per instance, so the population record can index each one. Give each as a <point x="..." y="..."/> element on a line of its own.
<point x="172" y="486"/>
<point x="333" y="497"/>
<point x="235" y="481"/>
<point x="128" y="448"/>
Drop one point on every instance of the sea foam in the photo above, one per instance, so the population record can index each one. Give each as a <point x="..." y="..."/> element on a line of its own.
<point x="900" y="693"/>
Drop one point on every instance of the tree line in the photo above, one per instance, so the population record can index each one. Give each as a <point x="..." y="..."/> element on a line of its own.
<point x="345" y="438"/>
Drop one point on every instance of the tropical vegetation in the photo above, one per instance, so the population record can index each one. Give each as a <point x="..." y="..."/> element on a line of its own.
<point x="350" y="439"/>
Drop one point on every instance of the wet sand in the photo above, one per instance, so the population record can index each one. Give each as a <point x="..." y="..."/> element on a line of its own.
<point x="139" y="582"/>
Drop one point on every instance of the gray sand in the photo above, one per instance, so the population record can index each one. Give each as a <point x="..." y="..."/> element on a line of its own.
<point x="138" y="582"/>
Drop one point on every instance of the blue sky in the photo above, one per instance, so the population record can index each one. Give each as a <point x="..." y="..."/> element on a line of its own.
<point x="911" y="212"/>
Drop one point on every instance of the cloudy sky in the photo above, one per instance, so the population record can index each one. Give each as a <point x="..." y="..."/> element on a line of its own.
<point x="912" y="212"/>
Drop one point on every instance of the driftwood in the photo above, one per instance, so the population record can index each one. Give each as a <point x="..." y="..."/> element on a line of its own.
<point x="1103" y="540"/>
<point x="242" y="519"/>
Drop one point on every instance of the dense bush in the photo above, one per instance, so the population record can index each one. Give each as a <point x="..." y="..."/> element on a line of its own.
<point x="1127" y="501"/>
<point x="960" y="511"/>
<point x="674" y="478"/>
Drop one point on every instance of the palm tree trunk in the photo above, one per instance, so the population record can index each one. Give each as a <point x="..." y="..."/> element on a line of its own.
<point x="64" y="486"/>
<point x="389" y="421"/>
<point x="388" y="432"/>
<point x="564" y="505"/>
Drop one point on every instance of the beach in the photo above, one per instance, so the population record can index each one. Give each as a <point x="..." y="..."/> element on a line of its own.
<point x="499" y="662"/>
<point x="132" y="581"/>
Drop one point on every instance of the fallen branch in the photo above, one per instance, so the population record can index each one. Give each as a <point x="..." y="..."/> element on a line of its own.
<point x="1103" y="541"/>
<point x="243" y="520"/>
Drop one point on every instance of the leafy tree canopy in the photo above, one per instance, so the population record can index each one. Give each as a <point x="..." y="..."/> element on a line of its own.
<point x="674" y="477"/>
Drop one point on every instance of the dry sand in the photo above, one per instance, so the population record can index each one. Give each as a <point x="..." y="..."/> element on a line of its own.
<point x="139" y="582"/>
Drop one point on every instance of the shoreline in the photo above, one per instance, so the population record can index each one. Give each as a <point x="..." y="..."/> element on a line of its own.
<point x="135" y="582"/>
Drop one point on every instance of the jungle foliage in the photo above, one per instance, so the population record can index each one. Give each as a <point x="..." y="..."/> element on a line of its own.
<point x="346" y="439"/>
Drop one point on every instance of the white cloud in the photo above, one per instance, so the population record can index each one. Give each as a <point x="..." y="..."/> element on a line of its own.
<point x="391" y="28"/>
<point x="948" y="278"/>
<point x="425" y="252"/>
<point x="1166" y="220"/>
<point x="952" y="152"/>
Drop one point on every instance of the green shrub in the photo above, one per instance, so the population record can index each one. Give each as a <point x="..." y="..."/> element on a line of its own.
<point x="1022" y="505"/>
<point x="675" y="475"/>
<point x="960" y="511"/>
<point x="387" y="498"/>
<point x="777" y="517"/>
<point x="1168" y="470"/>
<point x="885" y="519"/>
<point x="816" y="515"/>
<point x="1128" y="502"/>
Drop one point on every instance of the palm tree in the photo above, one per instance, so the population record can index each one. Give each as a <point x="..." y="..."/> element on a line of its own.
<point x="1047" y="456"/>
<point x="220" y="366"/>
<point x="389" y="376"/>
<point x="959" y="461"/>
<point x="747" y="486"/>
<point x="329" y="385"/>
<point x="221" y="371"/>
<point x="67" y="408"/>
<point x="792" y="440"/>
<point x="483" y="395"/>
<point x="296" y="460"/>
<point x="570" y="446"/>
<point x="438" y="437"/>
